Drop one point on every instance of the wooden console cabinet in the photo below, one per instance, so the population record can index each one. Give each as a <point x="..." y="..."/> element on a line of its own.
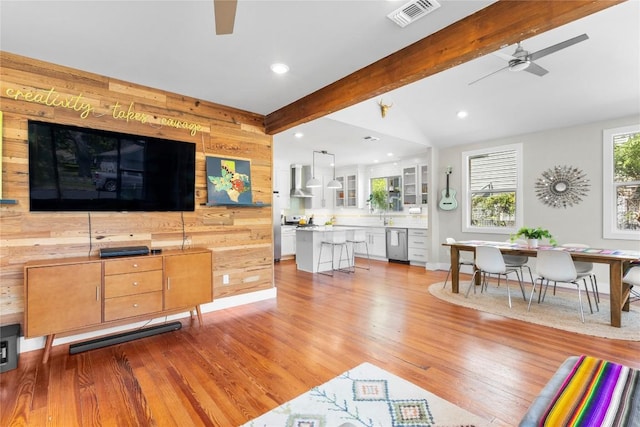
<point x="73" y="294"/>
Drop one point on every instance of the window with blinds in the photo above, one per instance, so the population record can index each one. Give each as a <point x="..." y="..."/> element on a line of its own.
<point x="621" y="188"/>
<point x="492" y="188"/>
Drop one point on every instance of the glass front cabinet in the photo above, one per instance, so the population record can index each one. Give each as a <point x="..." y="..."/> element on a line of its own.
<point x="415" y="187"/>
<point x="424" y="184"/>
<point x="347" y="196"/>
<point x="340" y="192"/>
<point x="409" y="186"/>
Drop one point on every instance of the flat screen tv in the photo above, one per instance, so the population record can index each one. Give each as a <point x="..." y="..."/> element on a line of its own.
<point x="79" y="169"/>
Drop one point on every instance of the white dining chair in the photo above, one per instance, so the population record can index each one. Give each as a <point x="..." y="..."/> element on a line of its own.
<point x="632" y="278"/>
<point x="489" y="260"/>
<point x="462" y="260"/>
<point x="557" y="266"/>
<point x="518" y="261"/>
<point x="583" y="267"/>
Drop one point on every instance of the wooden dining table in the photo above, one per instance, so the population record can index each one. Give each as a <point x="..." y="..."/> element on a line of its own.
<point x="617" y="260"/>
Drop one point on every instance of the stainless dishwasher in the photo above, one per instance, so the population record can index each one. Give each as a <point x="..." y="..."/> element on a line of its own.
<point x="397" y="249"/>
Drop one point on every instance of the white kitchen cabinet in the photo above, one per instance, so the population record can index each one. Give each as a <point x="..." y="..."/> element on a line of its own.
<point x="288" y="242"/>
<point x="377" y="242"/>
<point x="282" y="184"/>
<point x="340" y="193"/>
<point x="347" y="196"/>
<point x="415" y="185"/>
<point x="417" y="242"/>
<point x="424" y="184"/>
<point x="351" y="192"/>
<point x="409" y="185"/>
<point x="323" y="197"/>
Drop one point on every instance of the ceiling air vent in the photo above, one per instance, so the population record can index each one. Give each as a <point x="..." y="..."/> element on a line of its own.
<point x="413" y="11"/>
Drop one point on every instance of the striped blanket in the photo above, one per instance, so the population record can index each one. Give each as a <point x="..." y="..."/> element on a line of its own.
<point x="596" y="393"/>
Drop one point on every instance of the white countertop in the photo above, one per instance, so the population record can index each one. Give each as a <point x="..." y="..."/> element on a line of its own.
<point x="328" y="228"/>
<point x="354" y="227"/>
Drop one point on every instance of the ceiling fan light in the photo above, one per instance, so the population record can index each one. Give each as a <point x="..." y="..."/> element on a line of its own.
<point x="314" y="183"/>
<point x="519" y="65"/>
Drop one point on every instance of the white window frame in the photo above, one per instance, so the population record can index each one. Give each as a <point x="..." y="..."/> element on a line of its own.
<point x="466" y="193"/>
<point x="609" y="226"/>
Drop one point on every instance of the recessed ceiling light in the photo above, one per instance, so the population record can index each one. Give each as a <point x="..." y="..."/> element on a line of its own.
<point x="462" y="114"/>
<point x="279" y="68"/>
<point x="389" y="154"/>
<point x="298" y="134"/>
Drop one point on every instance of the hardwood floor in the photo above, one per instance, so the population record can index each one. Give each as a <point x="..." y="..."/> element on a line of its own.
<point x="247" y="360"/>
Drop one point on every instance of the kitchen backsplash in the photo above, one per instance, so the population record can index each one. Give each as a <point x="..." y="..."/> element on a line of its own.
<point x="358" y="218"/>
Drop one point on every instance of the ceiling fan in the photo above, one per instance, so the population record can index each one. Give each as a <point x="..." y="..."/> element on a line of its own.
<point x="225" y="14"/>
<point x="522" y="60"/>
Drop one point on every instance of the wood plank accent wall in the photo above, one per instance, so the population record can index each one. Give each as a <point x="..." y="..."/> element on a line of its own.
<point x="240" y="237"/>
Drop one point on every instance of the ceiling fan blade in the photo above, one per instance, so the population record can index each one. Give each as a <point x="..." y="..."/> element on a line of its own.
<point x="225" y="14"/>
<point x="504" y="56"/>
<point x="556" y="47"/>
<point x="490" y="74"/>
<point x="534" y="68"/>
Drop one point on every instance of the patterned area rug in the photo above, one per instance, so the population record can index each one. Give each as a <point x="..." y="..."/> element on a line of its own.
<point x="560" y="311"/>
<point x="371" y="397"/>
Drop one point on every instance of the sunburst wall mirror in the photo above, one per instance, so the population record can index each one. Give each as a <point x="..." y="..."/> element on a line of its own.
<point x="562" y="186"/>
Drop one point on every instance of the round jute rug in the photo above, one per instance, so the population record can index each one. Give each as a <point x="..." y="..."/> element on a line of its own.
<point x="560" y="311"/>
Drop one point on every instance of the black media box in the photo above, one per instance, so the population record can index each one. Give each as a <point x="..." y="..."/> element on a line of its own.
<point x="9" y="347"/>
<point x="123" y="251"/>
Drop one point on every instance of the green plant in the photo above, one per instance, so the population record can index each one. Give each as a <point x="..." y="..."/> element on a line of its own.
<point x="378" y="200"/>
<point x="533" y="233"/>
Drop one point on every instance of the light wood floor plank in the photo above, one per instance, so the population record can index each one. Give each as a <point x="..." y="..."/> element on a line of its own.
<point x="247" y="360"/>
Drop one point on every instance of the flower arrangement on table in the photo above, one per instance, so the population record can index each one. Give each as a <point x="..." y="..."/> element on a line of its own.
<point x="534" y="234"/>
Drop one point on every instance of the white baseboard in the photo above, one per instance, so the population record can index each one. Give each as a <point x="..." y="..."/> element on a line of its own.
<point x="30" y="344"/>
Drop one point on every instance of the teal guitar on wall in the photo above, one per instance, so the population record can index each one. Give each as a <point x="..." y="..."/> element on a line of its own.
<point x="448" y="200"/>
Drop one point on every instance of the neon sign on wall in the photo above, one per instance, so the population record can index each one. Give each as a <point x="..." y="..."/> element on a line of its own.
<point x="78" y="103"/>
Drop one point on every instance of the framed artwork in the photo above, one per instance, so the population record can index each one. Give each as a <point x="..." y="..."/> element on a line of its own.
<point x="228" y="181"/>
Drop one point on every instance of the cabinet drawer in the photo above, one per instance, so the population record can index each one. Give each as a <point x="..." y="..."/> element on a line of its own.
<point x="417" y="232"/>
<point x="118" y="285"/>
<point x="132" y="265"/>
<point x="417" y="254"/>
<point x="417" y="241"/>
<point x="132" y="305"/>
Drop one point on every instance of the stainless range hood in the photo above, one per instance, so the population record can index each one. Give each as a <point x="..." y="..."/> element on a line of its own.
<point x="299" y="176"/>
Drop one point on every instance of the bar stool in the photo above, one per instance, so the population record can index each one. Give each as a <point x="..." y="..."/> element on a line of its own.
<point x="358" y="237"/>
<point x="333" y="239"/>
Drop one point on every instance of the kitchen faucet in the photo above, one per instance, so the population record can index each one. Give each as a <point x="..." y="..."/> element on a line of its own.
<point x="385" y="220"/>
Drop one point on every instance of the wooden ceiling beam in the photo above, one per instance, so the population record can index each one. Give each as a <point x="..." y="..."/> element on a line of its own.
<point x="500" y="24"/>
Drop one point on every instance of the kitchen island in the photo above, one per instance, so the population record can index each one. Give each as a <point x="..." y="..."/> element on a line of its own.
<point x="308" y="241"/>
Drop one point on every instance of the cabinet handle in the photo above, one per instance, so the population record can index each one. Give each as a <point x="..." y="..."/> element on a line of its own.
<point x="168" y="283"/>
<point x="135" y="283"/>
<point x="97" y="293"/>
<point x="135" y="305"/>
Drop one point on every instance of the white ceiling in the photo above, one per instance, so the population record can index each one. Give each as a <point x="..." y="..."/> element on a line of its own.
<point x="171" y="45"/>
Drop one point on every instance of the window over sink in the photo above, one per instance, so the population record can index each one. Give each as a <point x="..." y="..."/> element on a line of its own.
<point x="386" y="194"/>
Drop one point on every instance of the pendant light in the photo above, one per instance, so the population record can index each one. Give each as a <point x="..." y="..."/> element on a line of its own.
<point x="315" y="182"/>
